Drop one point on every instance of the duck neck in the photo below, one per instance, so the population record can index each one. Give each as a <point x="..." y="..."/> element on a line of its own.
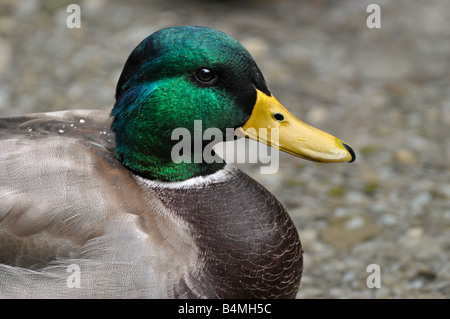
<point x="160" y="160"/>
<point x="153" y="145"/>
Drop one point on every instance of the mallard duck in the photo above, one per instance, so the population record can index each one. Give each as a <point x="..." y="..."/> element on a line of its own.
<point x="93" y="205"/>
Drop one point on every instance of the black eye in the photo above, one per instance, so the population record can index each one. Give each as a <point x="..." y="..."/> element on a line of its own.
<point x="204" y="75"/>
<point x="279" y="117"/>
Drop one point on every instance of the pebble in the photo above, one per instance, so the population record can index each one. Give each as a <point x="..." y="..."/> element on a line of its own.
<point x="419" y="202"/>
<point x="414" y="232"/>
<point x="344" y="232"/>
<point x="354" y="223"/>
<point x="405" y="156"/>
<point x="388" y="220"/>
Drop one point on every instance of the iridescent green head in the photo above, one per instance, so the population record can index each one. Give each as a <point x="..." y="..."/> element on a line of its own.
<point x="174" y="77"/>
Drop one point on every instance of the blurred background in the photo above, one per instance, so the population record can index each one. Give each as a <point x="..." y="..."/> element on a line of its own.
<point x="384" y="91"/>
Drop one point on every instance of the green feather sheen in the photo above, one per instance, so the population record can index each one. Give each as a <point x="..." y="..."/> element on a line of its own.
<point x="157" y="93"/>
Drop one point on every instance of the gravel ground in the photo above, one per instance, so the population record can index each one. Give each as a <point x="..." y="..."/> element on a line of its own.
<point x="384" y="91"/>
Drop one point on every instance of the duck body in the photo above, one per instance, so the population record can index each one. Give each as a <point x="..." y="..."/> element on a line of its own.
<point x="96" y="205"/>
<point x="129" y="236"/>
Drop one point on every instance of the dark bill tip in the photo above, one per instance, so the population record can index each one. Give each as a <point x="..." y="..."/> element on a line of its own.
<point x="351" y="151"/>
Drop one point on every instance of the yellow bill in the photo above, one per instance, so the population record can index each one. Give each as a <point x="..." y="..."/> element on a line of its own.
<point x="282" y="130"/>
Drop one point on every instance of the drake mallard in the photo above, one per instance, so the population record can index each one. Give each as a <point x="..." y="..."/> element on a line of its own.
<point x="98" y="195"/>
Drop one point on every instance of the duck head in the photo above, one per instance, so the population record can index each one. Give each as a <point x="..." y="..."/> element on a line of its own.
<point x="180" y="75"/>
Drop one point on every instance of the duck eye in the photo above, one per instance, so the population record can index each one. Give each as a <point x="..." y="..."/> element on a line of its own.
<point x="204" y="75"/>
<point x="279" y="117"/>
